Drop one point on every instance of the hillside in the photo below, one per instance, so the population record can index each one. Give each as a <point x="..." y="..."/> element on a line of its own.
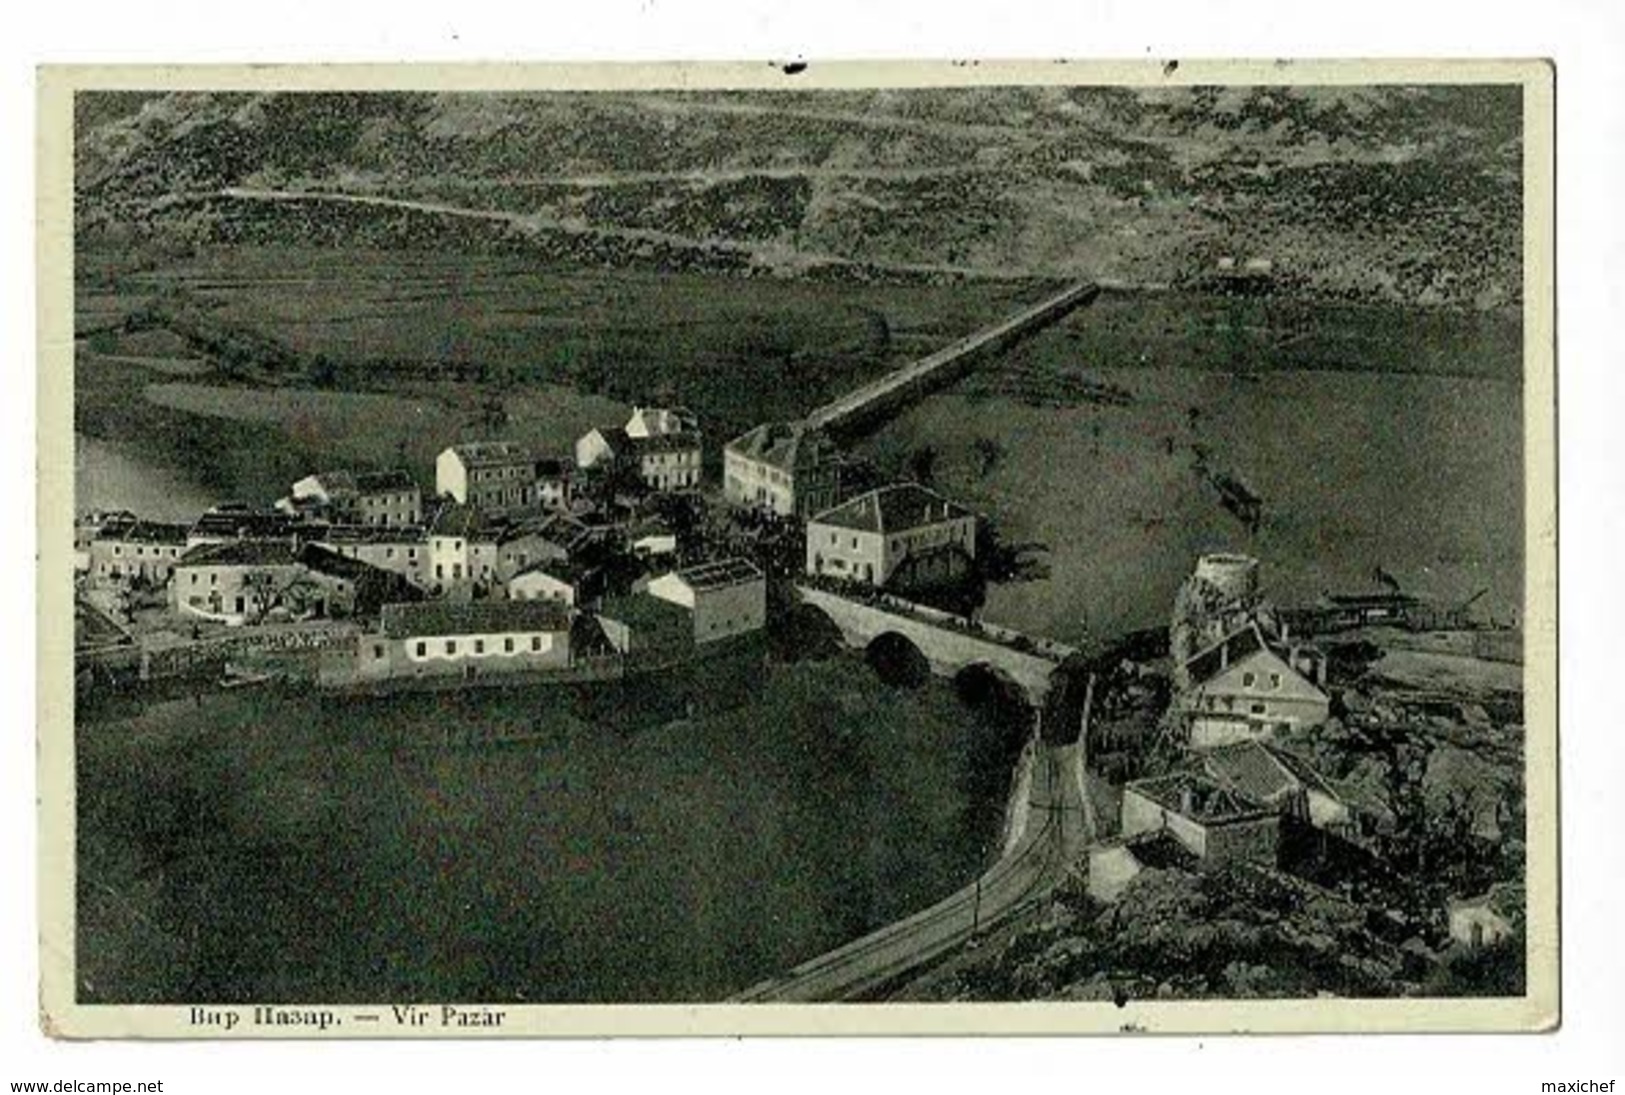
<point x="1370" y="194"/>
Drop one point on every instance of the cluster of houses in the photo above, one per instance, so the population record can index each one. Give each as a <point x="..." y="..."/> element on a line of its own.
<point x="1240" y="683"/>
<point x="517" y="561"/>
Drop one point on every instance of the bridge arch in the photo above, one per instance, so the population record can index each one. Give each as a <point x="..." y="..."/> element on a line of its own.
<point x="983" y="685"/>
<point x="807" y="632"/>
<point x="897" y="660"/>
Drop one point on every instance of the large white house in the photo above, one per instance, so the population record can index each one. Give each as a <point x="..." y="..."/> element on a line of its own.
<point x="786" y="468"/>
<point x="1243" y="688"/>
<point x="901" y="535"/>
<point x="492" y="476"/>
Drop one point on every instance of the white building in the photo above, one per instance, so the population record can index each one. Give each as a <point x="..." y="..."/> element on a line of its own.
<point x="492" y="476"/>
<point x="469" y="640"/>
<point x="785" y="468"/>
<point x="726" y="598"/>
<point x="901" y="535"/>
<point x="1241" y="688"/>
<point x="463" y="552"/>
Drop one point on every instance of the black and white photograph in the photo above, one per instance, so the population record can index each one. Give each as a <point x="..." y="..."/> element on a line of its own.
<point x="967" y="539"/>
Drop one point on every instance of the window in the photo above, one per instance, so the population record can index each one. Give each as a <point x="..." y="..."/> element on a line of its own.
<point x="194" y="579"/>
<point x="389" y="553"/>
<point x="507" y="645"/>
<point x="1258" y="709"/>
<point x="479" y="646"/>
<point x="535" y="642"/>
<point x="1247" y="680"/>
<point x="451" y="646"/>
<point x="377" y="650"/>
<point x="423" y="649"/>
<point x="1275" y="680"/>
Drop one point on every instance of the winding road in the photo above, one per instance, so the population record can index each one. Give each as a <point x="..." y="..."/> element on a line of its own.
<point x="1058" y="825"/>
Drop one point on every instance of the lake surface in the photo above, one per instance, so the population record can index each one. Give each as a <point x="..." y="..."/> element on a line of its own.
<point x="108" y="477"/>
<point x="271" y="846"/>
<point x="1419" y="475"/>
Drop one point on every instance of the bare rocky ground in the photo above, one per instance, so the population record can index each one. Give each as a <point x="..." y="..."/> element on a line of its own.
<point x="1423" y="730"/>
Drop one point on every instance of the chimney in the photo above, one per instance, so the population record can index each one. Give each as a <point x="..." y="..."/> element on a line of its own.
<point x="1187" y="800"/>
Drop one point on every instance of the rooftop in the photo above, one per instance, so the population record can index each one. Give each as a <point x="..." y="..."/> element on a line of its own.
<point x="487" y="453"/>
<point x="243" y="523"/>
<point x="378" y="482"/>
<point x="1207" y="664"/>
<point x="791" y="446"/>
<point x="373" y="534"/>
<point x="326" y="561"/>
<point x="1260" y="772"/>
<point x="404" y="621"/>
<point x="458" y="520"/>
<point x="1199" y="798"/>
<point x="895" y="508"/>
<point x="143" y="532"/>
<point x="242" y="553"/>
<point x="720" y="573"/>
<point x="650" y="619"/>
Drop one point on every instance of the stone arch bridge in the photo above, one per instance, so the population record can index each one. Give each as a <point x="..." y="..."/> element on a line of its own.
<point x="949" y="643"/>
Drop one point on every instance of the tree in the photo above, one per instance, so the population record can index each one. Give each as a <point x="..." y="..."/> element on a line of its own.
<point x="922" y="465"/>
<point x="988" y="452"/>
<point x="260" y="594"/>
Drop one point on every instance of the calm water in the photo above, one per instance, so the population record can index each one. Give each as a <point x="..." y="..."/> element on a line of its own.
<point x="106" y="477"/>
<point x="1420" y="475"/>
<point x="283" y="847"/>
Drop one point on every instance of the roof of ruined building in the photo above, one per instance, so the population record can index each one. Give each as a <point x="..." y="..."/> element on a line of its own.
<point x="1210" y="801"/>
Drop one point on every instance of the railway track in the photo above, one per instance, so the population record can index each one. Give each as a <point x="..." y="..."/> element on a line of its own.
<point x="1022" y="875"/>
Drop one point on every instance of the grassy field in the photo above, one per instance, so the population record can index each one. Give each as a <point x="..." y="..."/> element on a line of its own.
<point x="271" y="847"/>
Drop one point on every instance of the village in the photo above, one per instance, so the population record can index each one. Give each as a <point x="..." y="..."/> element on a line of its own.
<point x="1235" y="738"/>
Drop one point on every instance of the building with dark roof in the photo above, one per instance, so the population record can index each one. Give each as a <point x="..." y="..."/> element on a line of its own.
<point x="463" y="551"/>
<point x="360" y="498"/>
<point x="354" y="587"/>
<point x="495" y="477"/>
<point x="468" y="639"/>
<point x="724" y="598"/>
<point x="1216" y="823"/>
<point x="645" y="628"/>
<point x="240" y="581"/>
<point x="787" y="468"/>
<point x="223" y="524"/>
<point x="125" y="548"/>
<point x="664" y="455"/>
<point x="1243" y="688"/>
<point x="403" y="550"/>
<point x="903" y="536"/>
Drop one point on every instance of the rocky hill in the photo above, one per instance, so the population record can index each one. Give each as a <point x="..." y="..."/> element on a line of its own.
<point x="1398" y="194"/>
